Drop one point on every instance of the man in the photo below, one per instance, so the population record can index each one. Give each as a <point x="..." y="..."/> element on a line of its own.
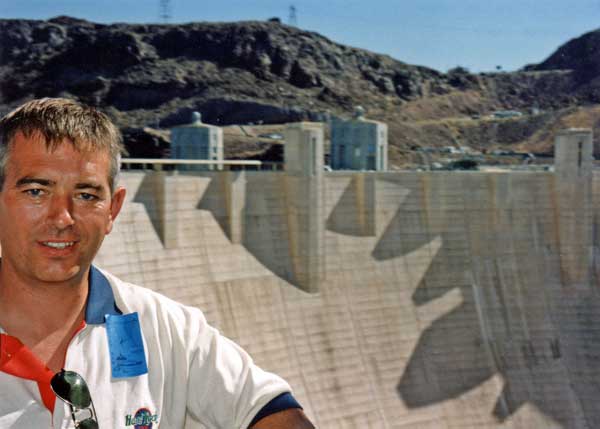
<point x="148" y="361"/>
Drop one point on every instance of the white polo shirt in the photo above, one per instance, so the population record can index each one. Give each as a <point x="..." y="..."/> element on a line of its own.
<point x="193" y="371"/>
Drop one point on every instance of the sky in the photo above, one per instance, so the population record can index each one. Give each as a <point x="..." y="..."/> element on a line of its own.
<point x="480" y="35"/>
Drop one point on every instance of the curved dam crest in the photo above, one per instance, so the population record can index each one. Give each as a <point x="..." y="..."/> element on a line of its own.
<point x="389" y="300"/>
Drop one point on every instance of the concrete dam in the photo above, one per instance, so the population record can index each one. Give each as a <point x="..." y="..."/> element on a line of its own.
<point x="389" y="299"/>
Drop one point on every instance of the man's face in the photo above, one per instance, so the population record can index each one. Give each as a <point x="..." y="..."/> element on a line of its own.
<point x="55" y="209"/>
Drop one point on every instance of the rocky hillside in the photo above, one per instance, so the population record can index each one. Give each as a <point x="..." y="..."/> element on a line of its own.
<point x="267" y="72"/>
<point x="581" y="57"/>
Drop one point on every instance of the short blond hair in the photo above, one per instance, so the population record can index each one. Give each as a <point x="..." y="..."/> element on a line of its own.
<point x="57" y="119"/>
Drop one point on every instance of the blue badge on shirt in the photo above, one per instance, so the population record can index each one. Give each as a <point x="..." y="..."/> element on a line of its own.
<point x="127" y="358"/>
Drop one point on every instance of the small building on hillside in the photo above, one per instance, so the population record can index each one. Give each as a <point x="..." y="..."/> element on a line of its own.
<point x="503" y="114"/>
<point x="358" y="144"/>
<point x="197" y="141"/>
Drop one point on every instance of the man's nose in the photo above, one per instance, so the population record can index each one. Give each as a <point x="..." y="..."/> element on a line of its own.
<point x="61" y="212"/>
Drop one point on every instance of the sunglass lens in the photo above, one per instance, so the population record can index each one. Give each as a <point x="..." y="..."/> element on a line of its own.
<point x="87" y="424"/>
<point x="72" y="388"/>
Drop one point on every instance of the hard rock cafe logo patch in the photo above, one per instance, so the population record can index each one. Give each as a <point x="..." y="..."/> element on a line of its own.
<point x="142" y="419"/>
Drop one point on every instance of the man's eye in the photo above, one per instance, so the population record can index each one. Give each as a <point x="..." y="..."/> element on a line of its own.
<point x="34" y="192"/>
<point x="87" y="197"/>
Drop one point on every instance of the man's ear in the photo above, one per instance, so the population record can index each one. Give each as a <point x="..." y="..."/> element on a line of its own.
<point x="116" y="203"/>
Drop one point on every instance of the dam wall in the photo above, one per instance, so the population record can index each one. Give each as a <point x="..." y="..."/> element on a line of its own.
<point x="389" y="299"/>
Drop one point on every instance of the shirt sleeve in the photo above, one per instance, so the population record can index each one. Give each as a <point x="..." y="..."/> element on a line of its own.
<point x="285" y="401"/>
<point x="225" y="388"/>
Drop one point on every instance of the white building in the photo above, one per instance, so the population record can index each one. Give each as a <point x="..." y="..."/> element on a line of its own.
<point x="358" y="144"/>
<point x="197" y="141"/>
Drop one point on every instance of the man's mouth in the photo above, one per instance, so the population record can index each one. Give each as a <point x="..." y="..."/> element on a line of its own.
<point x="58" y="245"/>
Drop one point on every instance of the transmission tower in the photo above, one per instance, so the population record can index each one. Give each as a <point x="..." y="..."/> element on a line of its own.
<point x="165" y="11"/>
<point x="293" y="19"/>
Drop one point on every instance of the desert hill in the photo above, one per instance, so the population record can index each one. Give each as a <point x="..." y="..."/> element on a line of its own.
<point x="265" y="72"/>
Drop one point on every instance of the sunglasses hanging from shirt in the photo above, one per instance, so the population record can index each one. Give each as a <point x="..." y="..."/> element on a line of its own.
<point x="71" y="388"/>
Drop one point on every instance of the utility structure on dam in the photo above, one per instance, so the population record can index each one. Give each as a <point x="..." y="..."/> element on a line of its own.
<point x="197" y="141"/>
<point x="429" y="299"/>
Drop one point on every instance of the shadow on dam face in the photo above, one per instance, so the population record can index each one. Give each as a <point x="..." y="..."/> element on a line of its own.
<point x="549" y="370"/>
<point x="344" y="217"/>
<point x="264" y="222"/>
<point x="146" y="195"/>
<point x="448" y="360"/>
<point x="515" y="319"/>
<point x="507" y="318"/>
<point x="406" y="232"/>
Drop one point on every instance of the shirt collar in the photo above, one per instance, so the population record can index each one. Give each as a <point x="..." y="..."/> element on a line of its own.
<point x="101" y="299"/>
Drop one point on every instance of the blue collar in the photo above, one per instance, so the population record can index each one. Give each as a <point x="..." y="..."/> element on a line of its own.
<point x="101" y="300"/>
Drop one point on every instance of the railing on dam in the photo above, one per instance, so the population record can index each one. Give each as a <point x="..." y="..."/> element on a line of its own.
<point x="158" y="164"/>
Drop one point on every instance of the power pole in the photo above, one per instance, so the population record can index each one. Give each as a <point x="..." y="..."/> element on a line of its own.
<point x="165" y="11"/>
<point x="293" y="19"/>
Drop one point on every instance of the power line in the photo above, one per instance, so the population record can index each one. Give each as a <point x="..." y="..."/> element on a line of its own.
<point x="164" y="13"/>
<point x="293" y="19"/>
